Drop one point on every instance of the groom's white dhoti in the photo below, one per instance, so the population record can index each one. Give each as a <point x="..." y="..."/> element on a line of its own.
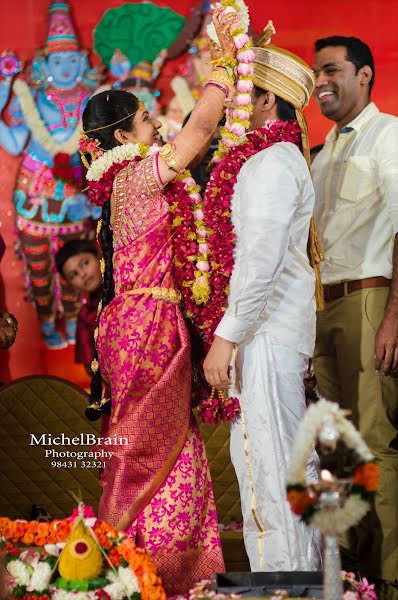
<point x="272" y="403"/>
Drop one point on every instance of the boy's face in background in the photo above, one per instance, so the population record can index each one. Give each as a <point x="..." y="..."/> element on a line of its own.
<point x="82" y="272"/>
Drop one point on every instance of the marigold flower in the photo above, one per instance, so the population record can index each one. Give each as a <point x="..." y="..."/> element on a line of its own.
<point x="32" y="527"/>
<point x="28" y="538"/>
<point x="299" y="501"/>
<point x="115" y="557"/>
<point x="43" y="529"/>
<point x="40" y="540"/>
<point x="63" y="531"/>
<point x="367" y="476"/>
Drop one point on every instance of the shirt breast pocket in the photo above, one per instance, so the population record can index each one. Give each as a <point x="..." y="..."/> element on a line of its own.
<point x="360" y="179"/>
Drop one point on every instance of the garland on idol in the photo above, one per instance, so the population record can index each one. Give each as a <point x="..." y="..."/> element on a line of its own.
<point x="37" y="126"/>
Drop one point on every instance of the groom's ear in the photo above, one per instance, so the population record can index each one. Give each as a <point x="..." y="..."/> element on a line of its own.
<point x="269" y="101"/>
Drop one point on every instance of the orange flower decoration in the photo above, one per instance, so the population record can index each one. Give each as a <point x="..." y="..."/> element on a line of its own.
<point x="20" y="530"/>
<point x="299" y="501"/>
<point x="29" y="538"/>
<point x="43" y="529"/>
<point x="367" y="476"/>
<point x="119" y="545"/>
<point x="63" y="531"/>
<point x="40" y="540"/>
<point x="115" y="557"/>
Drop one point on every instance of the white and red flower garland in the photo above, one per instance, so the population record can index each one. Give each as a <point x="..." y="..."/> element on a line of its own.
<point x="221" y="242"/>
<point x="191" y="250"/>
<point x="217" y="216"/>
<point x="191" y="259"/>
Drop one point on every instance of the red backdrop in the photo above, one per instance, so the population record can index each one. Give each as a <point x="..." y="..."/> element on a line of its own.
<point x="23" y="27"/>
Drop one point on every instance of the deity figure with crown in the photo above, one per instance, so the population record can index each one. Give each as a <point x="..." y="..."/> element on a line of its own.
<point x="42" y="122"/>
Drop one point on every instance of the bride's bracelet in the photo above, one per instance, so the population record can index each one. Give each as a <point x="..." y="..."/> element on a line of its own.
<point x="168" y="153"/>
<point x="228" y="63"/>
<point x="221" y="79"/>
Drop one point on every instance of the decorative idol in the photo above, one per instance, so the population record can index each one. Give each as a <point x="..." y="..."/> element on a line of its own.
<point x="42" y="121"/>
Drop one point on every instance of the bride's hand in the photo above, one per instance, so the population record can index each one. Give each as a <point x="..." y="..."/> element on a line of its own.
<point x="223" y="24"/>
<point x="215" y="50"/>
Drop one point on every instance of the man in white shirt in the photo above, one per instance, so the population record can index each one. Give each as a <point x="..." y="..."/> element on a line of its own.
<point x="356" y="185"/>
<point x="270" y="315"/>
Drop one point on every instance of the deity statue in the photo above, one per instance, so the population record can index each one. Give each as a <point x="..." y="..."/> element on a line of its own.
<point x="42" y="121"/>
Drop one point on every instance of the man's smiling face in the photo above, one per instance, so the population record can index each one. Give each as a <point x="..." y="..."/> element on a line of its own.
<point x="339" y="89"/>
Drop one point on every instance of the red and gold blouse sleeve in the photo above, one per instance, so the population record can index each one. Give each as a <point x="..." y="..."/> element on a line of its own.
<point x="137" y="200"/>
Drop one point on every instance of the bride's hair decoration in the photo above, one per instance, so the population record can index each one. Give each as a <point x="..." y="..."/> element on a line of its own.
<point x="89" y="146"/>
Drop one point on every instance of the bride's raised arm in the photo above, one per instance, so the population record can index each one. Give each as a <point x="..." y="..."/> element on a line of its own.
<point x="195" y="135"/>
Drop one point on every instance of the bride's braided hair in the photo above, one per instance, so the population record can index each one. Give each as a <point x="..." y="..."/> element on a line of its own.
<point x="110" y="106"/>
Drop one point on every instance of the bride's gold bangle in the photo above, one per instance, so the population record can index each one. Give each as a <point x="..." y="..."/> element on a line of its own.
<point x="220" y="78"/>
<point x="229" y="64"/>
<point x="168" y="152"/>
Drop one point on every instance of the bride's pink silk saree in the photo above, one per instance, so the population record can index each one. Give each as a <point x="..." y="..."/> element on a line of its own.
<point x="156" y="486"/>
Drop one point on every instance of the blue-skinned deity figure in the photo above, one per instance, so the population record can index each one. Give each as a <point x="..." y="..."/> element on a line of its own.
<point x="44" y="123"/>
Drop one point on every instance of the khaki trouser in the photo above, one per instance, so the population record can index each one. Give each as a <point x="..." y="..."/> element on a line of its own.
<point x="345" y="372"/>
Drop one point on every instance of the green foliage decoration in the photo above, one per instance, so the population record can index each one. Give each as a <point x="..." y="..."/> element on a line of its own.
<point x="140" y="31"/>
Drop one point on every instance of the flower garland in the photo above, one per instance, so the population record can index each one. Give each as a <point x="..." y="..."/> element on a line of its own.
<point x="365" y="479"/>
<point x="191" y="272"/>
<point x="183" y="196"/>
<point x="132" y="574"/>
<point x="237" y="118"/>
<point x="115" y="156"/>
<point x="37" y="126"/>
<point x="217" y="216"/>
<point x="216" y="210"/>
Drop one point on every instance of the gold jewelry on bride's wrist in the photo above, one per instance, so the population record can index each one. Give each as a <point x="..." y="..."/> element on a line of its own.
<point x="228" y="63"/>
<point x="168" y="152"/>
<point x="220" y="78"/>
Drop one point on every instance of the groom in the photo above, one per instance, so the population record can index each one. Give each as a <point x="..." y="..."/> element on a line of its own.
<point x="271" y="312"/>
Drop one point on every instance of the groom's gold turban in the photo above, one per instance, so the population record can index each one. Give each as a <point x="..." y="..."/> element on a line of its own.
<point x="286" y="75"/>
<point x="283" y="73"/>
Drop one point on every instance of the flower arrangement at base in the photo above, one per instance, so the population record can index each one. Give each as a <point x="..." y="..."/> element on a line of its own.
<point x="325" y="421"/>
<point x="79" y="558"/>
<point x="358" y="590"/>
